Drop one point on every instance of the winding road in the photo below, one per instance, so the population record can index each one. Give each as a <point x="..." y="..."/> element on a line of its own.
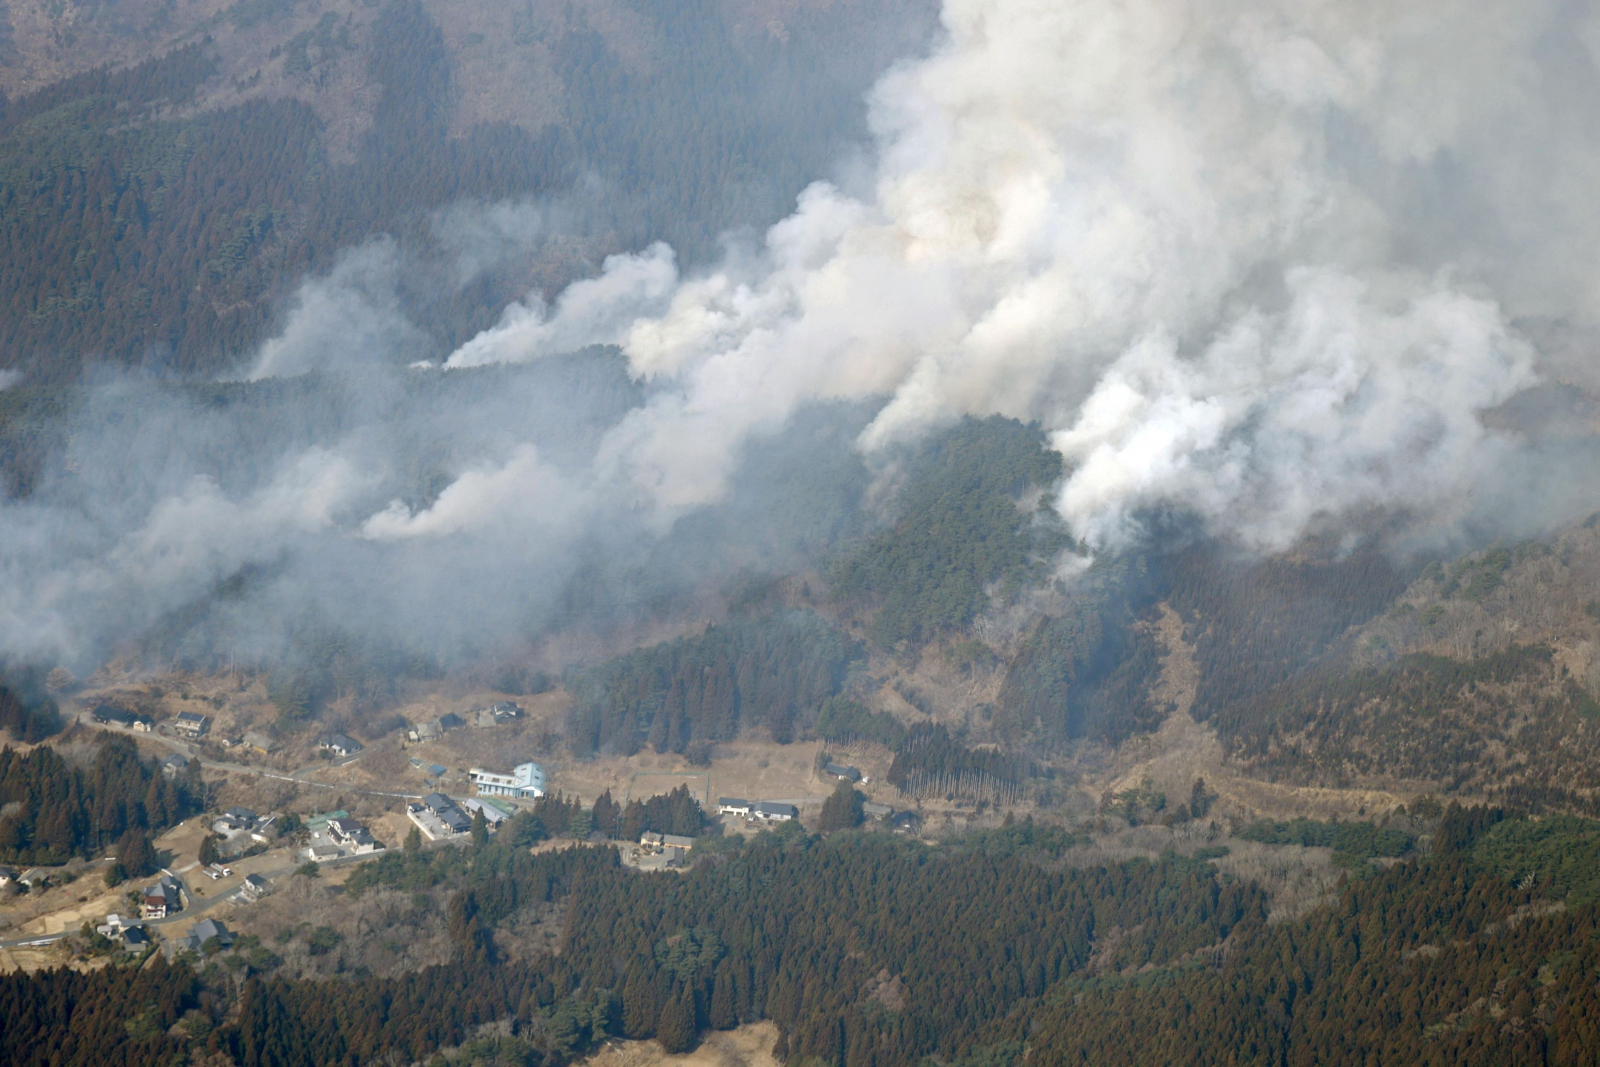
<point x="297" y="777"/>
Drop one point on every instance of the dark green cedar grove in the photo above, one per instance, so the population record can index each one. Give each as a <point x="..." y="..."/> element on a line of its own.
<point x="130" y="235"/>
<point x="870" y="951"/>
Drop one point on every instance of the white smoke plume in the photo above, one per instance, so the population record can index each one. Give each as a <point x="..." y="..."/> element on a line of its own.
<point x="1273" y="265"/>
<point x="1253" y="259"/>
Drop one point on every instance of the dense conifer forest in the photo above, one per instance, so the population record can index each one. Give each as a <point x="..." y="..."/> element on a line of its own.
<point x="773" y="671"/>
<point x="139" y="230"/>
<point x="960" y="529"/>
<point x="1514" y="725"/>
<point x="54" y="810"/>
<point x="919" y="609"/>
<point x="868" y="949"/>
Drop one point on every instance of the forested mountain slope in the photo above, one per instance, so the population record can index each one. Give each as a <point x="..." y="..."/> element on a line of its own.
<point x="156" y="212"/>
<point x="997" y="948"/>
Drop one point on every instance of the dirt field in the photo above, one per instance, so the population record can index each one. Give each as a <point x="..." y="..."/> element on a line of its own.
<point x="748" y="1046"/>
<point x="751" y="769"/>
<point x="65" y="907"/>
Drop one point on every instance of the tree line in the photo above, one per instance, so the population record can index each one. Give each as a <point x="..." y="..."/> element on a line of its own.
<point x="133" y="230"/>
<point x="55" y="810"/>
<point x="870" y="950"/>
<point x="774" y="671"/>
<point x="961" y="534"/>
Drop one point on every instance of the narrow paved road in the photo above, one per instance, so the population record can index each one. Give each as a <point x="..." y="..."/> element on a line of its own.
<point x="297" y="777"/>
<point x="197" y="907"/>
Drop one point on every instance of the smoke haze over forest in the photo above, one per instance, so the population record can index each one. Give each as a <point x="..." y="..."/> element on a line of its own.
<point x="1273" y="270"/>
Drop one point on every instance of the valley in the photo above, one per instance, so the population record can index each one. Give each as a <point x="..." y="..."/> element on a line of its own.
<point x="832" y="533"/>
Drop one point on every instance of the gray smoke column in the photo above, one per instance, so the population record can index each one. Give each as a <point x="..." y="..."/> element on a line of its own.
<point x="1281" y="267"/>
<point x="1265" y="262"/>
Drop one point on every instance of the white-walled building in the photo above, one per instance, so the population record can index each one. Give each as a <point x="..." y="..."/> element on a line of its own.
<point x="526" y="781"/>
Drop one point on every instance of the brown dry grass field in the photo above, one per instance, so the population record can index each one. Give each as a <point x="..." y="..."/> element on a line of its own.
<point x="748" y="1046"/>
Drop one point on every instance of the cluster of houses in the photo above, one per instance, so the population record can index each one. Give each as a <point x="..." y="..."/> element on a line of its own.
<point x="242" y="828"/>
<point x="846" y="773"/>
<point x="234" y="820"/>
<point x="187" y="724"/>
<point x="110" y="715"/>
<point x="438" y="817"/>
<point x="772" y="811"/>
<point x="674" y="847"/>
<point x="133" y="937"/>
<point x="499" y="712"/>
<point x="484" y="717"/>
<point x="131" y="933"/>
<point x="27" y="879"/>
<point x="432" y="731"/>
<point x="336" y="835"/>
<point x="762" y="810"/>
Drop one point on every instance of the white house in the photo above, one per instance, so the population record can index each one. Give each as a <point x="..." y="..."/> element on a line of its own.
<point x="526" y="781"/>
<point x="771" y="812"/>
<point x="733" y="806"/>
<point x="161" y="899"/>
<point x="351" y="836"/>
<point x="341" y="745"/>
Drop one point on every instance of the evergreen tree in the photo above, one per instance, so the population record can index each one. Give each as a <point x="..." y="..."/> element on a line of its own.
<point x="640" y="1009"/>
<point x="676" y="1029"/>
<point x="607" y="814"/>
<point x="208" y="849"/>
<point x="136" y="854"/>
<point x="842" y="810"/>
<point x="480" y="828"/>
<point x="724" y="1012"/>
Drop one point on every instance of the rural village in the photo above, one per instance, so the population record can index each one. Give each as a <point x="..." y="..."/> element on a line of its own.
<point x="283" y="810"/>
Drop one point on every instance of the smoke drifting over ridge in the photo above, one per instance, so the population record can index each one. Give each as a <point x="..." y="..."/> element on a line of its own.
<point x="1259" y="261"/>
<point x="1264" y="263"/>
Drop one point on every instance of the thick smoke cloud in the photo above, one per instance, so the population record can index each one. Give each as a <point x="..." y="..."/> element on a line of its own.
<point x="1276" y="266"/>
<point x="1260" y="261"/>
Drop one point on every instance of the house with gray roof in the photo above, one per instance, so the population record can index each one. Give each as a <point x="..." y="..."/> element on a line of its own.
<point x="190" y="724"/>
<point x="771" y="811"/>
<point x="842" y="771"/>
<point x="341" y="745"/>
